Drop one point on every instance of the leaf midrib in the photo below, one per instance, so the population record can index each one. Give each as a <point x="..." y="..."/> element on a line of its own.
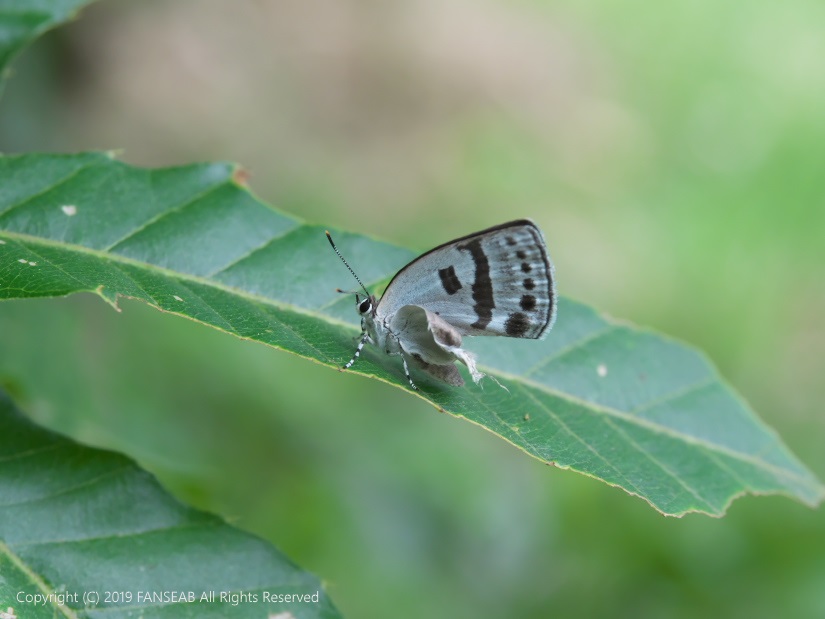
<point x="168" y="272"/>
<point x="596" y="407"/>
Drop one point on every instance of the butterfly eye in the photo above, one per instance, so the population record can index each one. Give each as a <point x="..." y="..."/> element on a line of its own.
<point x="365" y="306"/>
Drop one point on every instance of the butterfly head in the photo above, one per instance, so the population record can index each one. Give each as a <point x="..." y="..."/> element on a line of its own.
<point x="365" y="307"/>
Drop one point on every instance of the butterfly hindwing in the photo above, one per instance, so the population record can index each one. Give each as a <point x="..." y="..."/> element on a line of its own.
<point x="495" y="282"/>
<point x="431" y="342"/>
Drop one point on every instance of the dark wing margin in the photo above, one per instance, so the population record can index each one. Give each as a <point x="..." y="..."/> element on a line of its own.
<point x="552" y="297"/>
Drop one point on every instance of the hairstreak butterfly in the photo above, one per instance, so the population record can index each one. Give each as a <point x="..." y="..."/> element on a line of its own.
<point x="498" y="281"/>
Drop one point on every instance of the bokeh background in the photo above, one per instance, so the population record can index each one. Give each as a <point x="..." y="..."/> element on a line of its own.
<point x="673" y="153"/>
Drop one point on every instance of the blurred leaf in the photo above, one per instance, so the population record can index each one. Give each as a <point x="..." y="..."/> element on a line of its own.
<point x="63" y="505"/>
<point x="22" y="21"/>
<point x="626" y="406"/>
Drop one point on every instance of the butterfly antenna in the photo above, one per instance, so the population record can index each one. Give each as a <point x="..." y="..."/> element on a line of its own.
<point x="346" y="264"/>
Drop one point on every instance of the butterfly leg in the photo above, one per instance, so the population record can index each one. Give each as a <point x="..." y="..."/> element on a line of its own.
<point x="407" y="372"/>
<point x="393" y="348"/>
<point x="361" y="342"/>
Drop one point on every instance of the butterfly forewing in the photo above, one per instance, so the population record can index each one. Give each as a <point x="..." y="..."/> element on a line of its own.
<point x="495" y="282"/>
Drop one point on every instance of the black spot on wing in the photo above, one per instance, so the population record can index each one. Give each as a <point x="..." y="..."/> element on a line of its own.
<point x="528" y="302"/>
<point x="482" y="286"/>
<point x="525" y="266"/>
<point x="449" y="280"/>
<point x="529" y="283"/>
<point x="517" y="324"/>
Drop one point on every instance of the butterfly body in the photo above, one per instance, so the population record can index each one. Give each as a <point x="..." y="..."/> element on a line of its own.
<point x="496" y="282"/>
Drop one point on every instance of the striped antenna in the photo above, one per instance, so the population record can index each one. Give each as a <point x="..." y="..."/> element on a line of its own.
<point x="346" y="264"/>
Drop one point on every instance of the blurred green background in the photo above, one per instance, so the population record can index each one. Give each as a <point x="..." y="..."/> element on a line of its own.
<point x="674" y="155"/>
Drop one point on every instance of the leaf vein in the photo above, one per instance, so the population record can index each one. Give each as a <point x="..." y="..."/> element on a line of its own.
<point x="124" y="535"/>
<point x="645" y="452"/>
<point x="68" y="490"/>
<point x="675" y="395"/>
<point x="254" y="250"/>
<point x="26" y="454"/>
<point x="587" y="339"/>
<point x="687" y="438"/>
<point x="581" y="440"/>
<point x="229" y="327"/>
<point x="48" y="189"/>
<point x="42" y="258"/>
<point x="158" y="218"/>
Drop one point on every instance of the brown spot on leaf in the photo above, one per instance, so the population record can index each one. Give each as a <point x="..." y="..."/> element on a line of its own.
<point x="241" y="176"/>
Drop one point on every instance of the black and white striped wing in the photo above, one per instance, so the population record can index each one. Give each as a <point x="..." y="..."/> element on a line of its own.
<point x="495" y="282"/>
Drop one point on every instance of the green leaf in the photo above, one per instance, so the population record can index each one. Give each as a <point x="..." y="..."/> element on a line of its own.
<point x="627" y="406"/>
<point x="22" y="21"/>
<point x="64" y="506"/>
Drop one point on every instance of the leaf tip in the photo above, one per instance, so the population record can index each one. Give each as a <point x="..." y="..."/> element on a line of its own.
<point x="110" y="296"/>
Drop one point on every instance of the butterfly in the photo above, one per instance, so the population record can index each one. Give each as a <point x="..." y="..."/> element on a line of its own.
<point x="499" y="281"/>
